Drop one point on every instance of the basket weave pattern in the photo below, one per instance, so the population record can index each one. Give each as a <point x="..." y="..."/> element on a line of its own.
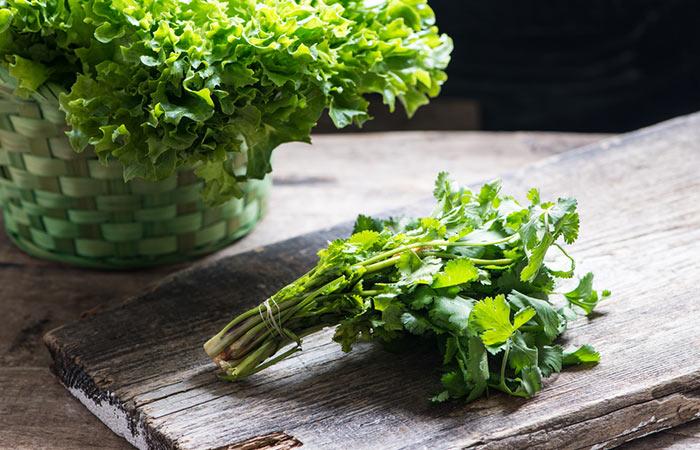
<point x="67" y="206"/>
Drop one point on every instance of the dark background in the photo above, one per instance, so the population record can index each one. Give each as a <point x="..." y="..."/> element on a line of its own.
<point x="566" y="65"/>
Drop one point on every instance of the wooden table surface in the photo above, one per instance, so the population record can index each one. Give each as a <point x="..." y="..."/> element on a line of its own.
<point x="316" y="186"/>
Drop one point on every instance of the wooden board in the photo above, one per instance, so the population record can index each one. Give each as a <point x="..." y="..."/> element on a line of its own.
<point x="140" y="367"/>
<point x="55" y="420"/>
<point x="307" y="180"/>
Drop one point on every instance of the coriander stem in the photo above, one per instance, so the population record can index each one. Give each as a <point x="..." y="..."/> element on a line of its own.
<point x="309" y="298"/>
<point x="229" y="334"/>
<point x="491" y="262"/>
<point x="250" y="362"/>
<point x="222" y="339"/>
<point x="476" y="261"/>
<point x="377" y="266"/>
<point x="370" y="292"/>
<point x="503" y="368"/>
<point x="571" y="260"/>
<point x="216" y="344"/>
<point x="436" y="243"/>
<point x="268" y="363"/>
<point x="258" y="360"/>
<point x="382" y="264"/>
<point x="512" y="237"/>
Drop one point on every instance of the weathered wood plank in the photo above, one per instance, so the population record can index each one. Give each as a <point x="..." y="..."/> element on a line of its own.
<point x="683" y="437"/>
<point x="55" y="420"/>
<point x="640" y="199"/>
<point x="303" y="200"/>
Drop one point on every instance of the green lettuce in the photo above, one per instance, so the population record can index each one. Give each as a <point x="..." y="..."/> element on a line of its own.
<point x="162" y="84"/>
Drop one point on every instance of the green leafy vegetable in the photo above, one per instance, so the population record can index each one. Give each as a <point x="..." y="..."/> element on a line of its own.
<point x="455" y="272"/>
<point x="581" y="355"/>
<point x="584" y="296"/>
<point x="455" y="278"/>
<point x="491" y="319"/>
<point x="160" y="84"/>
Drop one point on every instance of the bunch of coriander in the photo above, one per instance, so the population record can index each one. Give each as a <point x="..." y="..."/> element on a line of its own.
<point x="471" y="277"/>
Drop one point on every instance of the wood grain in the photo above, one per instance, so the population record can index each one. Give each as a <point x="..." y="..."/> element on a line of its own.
<point x="36" y="295"/>
<point x="52" y="420"/>
<point x="140" y="366"/>
<point x="301" y="171"/>
<point x="683" y="437"/>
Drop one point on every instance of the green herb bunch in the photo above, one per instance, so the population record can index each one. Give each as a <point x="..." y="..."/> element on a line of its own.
<point x="160" y="84"/>
<point x="471" y="276"/>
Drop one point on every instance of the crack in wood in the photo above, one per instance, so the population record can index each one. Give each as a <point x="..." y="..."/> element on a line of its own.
<point x="272" y="441"/>
<point x="687" y="404"/>
<point x="12" y="265"/>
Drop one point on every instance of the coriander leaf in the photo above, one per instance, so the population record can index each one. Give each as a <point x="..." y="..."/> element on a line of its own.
<point x="546" y="317"/>
<point x="489" y="192"/>
<point x="352" y="330"/>
<point x="382" y="301"/>
<point x="584" y="296"/>
<point x="521" y="354"/>
<point x="532" y="230"/>
<point x="568" y="313"/>
<point x="516" y="219"/>
<point x="433" y="227"/>
<point x="441" y="397"/>
<point x="534" y="196"/>
<point x="522" y="317"/>
<point x="367" y="223"/>
<point x="415" y="271"/>
<point x="484" y="235"/>
<point x="456" y="271"/>
<point x="469" y="252"/>
<point x="443" y="187"/>
<point x="471" y="381"/>
<point x="582" y="355"/>
<point x="364" y="239"/>
<point x="477" y="367"/>
<point x="415" y="324"/>
<point x="565" y="219"/>
<point x="550" y="359"/>
<point x="451" y="313"/>
<point x="450" y="350"/>
<point x="530" y="381"/>
<point x="455" y="386"/>
<point x="392" y="318"/>
<point x="421" y="298"/>
<point x="490" y="317"/>
<point x="548" y="221"/>
<point x="536" y="258"/>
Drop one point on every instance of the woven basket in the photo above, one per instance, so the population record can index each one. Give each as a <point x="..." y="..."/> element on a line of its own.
<point x="67" y="206"/>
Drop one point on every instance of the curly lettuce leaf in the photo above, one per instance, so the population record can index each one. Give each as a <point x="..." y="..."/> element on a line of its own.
<point x="196" y="83"/>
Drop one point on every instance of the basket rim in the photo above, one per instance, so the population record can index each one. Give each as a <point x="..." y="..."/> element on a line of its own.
<point x="127" y="264"/>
